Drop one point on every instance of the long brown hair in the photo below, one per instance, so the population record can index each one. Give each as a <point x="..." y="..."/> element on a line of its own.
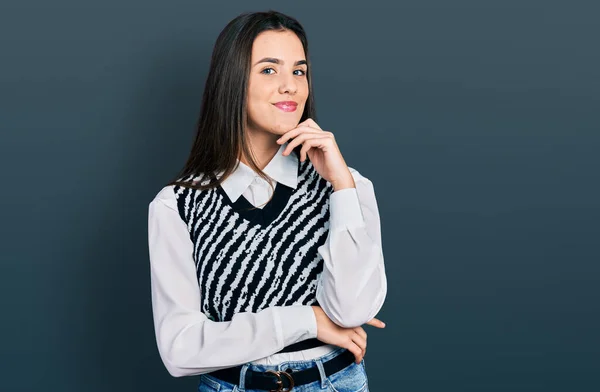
<point x="221" y="129"/>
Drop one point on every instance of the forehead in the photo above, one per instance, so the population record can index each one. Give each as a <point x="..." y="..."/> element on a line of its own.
<point x="284" y="45"/>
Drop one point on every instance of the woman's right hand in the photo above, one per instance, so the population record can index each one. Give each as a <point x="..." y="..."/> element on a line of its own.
<point x="353" y="339"/>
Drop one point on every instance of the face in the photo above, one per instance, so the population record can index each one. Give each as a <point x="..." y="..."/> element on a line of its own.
<point x="277" y="80"/>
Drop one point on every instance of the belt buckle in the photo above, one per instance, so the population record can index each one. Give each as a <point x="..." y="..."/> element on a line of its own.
<point x="278" y="373"/>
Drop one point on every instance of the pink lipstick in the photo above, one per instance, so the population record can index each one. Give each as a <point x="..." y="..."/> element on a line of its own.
<point x="287" y="106"/>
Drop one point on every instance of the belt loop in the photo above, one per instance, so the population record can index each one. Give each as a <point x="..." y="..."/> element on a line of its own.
<point x="322" y="373"/>
<point x="242" y="385"/>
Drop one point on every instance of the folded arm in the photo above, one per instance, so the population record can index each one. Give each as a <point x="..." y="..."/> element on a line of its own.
<point x="353" y="285"/>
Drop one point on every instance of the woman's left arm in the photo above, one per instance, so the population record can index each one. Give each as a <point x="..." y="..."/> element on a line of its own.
<point x="353" y="284"/>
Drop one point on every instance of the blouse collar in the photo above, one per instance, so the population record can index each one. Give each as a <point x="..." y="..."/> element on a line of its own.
<point x="283" y="169"/>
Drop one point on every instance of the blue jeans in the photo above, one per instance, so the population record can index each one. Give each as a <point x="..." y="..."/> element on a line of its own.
<point x="352" y="378"/>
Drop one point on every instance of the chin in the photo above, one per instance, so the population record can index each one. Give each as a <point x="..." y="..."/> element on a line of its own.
<point x="284" y="126"/>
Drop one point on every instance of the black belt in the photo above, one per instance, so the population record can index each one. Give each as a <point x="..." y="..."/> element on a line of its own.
<point x="302" y="345"/>
<point x="277" y="380"/>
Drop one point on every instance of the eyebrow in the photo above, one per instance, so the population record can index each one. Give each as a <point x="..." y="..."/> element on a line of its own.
<point x="278" y="61"/>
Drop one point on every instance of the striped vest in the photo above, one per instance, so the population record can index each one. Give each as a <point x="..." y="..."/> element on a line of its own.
<point x="251" y="259"/>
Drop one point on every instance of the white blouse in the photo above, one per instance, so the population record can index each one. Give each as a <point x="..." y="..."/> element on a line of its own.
<point x="351" y="290"/>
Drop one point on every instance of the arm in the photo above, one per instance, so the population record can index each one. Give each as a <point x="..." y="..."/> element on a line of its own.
<point x="188" y="342"/>
<point x="353" y="285"/>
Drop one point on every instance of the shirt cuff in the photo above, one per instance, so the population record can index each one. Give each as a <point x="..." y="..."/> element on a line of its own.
<point x="345" y="210"/>
<point x="298" y="322"/>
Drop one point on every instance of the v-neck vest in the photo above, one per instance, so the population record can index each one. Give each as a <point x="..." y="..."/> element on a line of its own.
<point x="249" y="260"/>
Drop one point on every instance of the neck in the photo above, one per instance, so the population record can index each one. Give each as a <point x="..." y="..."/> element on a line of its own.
<point x="264" y="147"/>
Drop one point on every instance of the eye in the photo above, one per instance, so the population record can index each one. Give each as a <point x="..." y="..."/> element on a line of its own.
<point x="302" y="73"/>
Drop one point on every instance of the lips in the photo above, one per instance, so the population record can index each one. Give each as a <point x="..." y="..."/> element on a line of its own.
<point x="287" y="106"/>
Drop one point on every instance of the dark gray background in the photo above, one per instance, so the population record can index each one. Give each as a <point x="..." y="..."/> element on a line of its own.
<point x="477" y="122"/>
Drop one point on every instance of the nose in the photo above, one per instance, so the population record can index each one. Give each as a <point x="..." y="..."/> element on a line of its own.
<point x="288" y="84"/>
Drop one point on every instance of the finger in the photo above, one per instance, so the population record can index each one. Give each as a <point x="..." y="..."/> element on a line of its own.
<point x="311" y="123"/>
<point x="299" y="140"/>
<point x="361" y="331"/>
<point x="296" y="131"/>
<point x="376" y="323"/>
<point x="354" y="349"/>
<point x="310" y="143"/>
<point x="360" y="342"/>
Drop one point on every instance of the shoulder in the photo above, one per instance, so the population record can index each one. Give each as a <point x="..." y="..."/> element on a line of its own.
<point x="165" y="198"/>
<point x="169" y="194"/>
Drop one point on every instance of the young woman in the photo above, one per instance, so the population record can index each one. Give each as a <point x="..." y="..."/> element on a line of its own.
<point x="265" y="252"/>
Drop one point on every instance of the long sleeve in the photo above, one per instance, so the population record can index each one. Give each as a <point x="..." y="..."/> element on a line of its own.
<point x="188" y="342"/>
<point x="353" y="284"/>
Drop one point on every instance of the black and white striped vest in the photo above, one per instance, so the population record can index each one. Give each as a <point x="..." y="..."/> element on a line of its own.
<point x="248" y="260"/>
